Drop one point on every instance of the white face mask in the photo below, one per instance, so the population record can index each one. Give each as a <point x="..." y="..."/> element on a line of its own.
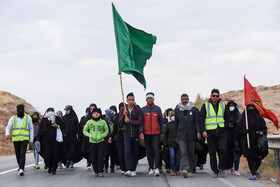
<point x="172" y="118"/>
<point x="50" y="113"/>
<point x="231" y="108"/>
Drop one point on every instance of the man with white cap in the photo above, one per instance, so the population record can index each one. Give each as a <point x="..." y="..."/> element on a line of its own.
<point x="153" y="130"/>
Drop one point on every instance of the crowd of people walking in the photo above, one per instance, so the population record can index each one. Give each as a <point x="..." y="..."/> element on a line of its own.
<point x="179" y="137"/>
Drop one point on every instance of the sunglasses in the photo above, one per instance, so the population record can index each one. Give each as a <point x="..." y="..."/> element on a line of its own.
<point x="216" y="96"/>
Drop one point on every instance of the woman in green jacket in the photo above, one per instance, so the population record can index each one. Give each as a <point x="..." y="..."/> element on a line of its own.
<point x="96" y="129"/>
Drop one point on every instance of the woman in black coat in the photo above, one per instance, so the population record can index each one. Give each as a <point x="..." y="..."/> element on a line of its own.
<point x="256" y="129"/>
<point x="50" y="148"/>
<point x="233" y="148"/>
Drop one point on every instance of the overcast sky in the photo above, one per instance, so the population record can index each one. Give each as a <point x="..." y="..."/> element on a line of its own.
<point x="59" y="52"/>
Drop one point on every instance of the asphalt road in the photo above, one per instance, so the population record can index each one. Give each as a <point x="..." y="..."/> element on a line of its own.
<point x="81" y="176"/>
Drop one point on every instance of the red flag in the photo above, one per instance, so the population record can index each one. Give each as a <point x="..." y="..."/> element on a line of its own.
<point x="252" y="97"/>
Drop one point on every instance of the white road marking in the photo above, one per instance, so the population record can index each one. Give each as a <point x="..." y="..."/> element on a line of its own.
<point x="11" y="170"/>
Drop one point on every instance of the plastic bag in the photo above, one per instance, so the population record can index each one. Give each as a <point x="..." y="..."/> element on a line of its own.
<point x="59" y="136"/>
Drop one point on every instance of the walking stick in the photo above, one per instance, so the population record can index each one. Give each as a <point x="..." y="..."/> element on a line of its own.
<point x="246" y="118"/>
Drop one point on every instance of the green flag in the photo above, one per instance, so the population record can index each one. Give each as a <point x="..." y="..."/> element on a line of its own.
<point x="134" y="47"/>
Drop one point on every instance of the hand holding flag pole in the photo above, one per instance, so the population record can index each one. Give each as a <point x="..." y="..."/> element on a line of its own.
<point x="134" y="48"/>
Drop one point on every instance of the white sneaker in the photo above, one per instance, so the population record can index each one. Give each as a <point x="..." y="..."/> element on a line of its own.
<point x="133" y="174"/>
<point x="157" y="173"/>
<point x="128" y="173"/>
<point x="21" y="172"/>
<point x="151" y="172"/>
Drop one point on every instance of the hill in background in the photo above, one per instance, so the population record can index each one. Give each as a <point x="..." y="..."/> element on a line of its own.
<point x="8" y="104"/>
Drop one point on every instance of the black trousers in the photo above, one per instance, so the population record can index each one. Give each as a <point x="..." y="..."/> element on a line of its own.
<point x="110" y="151"/>
<point x="52" y="151"/>
<point x="217" y="144"/>
<point x="70" y="146"/>
<point x="120" y="145"/>
<point x="20" y="149"/>
<point x="254" y="164"/>
<point x="152" y="143"/>
<point x="97" y="156"/>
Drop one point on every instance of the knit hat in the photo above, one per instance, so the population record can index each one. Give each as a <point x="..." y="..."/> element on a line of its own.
<point x="150" y="95"/>
<point x="109" y="112"/>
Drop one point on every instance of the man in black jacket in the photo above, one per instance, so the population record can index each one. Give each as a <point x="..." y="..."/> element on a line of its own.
<point x="187" y="124"/>
<point x="214" y="116"/>
<point x="131" y="119"/>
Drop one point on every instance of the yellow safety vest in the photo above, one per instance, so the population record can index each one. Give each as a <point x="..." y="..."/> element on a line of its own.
<point x="20" y="133"/>
<point x="212" y="119"/>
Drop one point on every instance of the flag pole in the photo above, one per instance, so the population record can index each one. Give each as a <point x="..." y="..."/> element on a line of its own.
<point x="122" y="94"/>
<point x="246" y="117"/>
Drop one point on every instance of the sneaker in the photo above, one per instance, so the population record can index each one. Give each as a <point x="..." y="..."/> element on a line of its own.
<point x="100" y="175"/>
<point x="177" y="172"/>
<point x="258" y="174"/>
<point x="118" y="167"/>
<point x="94" y="174"/>
<point x="215" y="175"/>
<point x="128" y="173"/>
<point x="123" y="172"/>
<point x="237" y="173"/>
<point x="172" y="173"/>
<point x="185" y="173"/>
<point x="60" y="165"/>
<point x="133" y="174"/>
<point x="157" y="173"/>
<point x="151" y="172"/>
<point x="105" y="170"/>
<point x="21" y="172"/>
<point x="253" y="177"/>
<point x="221" y="174"/>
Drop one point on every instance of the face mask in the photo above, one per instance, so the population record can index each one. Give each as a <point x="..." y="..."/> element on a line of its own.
<point x="172" y="118"/>
<point x="50" y="113"/>
<point x="231" y="108"/>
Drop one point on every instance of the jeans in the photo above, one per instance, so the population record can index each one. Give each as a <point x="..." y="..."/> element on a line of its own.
<point x="152" y="143"/>
<point x="175" y="155"/>
<point x="36" y="156"/>
<point x="236" y="160"/>
<point x="131" y="149"/>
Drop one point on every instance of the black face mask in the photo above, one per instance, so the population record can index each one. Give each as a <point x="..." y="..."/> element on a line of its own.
<point x="20" y="113"/>
<point x="96" y="119"/>
<point x="34" y="120"/>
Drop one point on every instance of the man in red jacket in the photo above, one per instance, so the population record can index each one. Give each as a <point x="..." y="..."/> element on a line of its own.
<point x="153" y="130"/>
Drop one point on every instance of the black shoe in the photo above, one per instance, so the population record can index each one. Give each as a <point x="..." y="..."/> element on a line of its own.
<point x="112" y="171"/>
<point x="194" y="170"/>
<point x="201" y="167"/>
<point x="53" y="173"/>
<point x="45" y="166"/>
<point x="50" y="170"/>
<point x="67" y="164"/>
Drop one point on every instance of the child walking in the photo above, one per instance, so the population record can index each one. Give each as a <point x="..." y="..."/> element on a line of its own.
<point x="96" y="129"/>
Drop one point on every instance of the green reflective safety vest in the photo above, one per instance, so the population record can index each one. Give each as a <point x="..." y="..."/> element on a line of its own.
<point x="20" y="133"/>
<point x="212" y="119"/>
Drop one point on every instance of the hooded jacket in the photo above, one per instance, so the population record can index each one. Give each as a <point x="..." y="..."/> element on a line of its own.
<point x="96" y="130"/>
